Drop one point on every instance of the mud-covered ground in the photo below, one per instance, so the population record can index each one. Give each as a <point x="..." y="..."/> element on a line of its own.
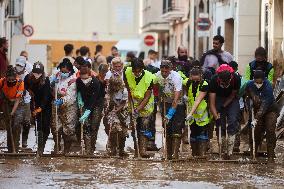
<point x="66" y="172"/>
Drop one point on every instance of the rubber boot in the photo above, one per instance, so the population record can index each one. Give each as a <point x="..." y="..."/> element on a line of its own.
<point x="224" y="145"/>
<point x="42" y="138"/>
<point x="57" y="146"/>
<point x="231" y="142"/>
<point x="152" y="146"/>
<point x="121" y="145"/>
<point x="193" y="149"/>
<point x="169" y="149"/>
<point x="25" y="134"/>
<point x="185" y="136"/>
<point x="176" y="145"/>
<point x="270" y="153"/>
<point x="67" y="147"/>
<point x="202" y="148"/>
<point x="88" y="146"/>
<point x="142" y="142"/>
<point x="94" y="137"/>
<point x="17" y="135"/>
<point x="112" y="144"/>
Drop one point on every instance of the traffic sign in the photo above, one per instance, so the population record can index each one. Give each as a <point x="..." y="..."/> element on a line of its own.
<point x="203" y="24"/>
<point x="149" y="40"/>
<point x="28" y="30"/>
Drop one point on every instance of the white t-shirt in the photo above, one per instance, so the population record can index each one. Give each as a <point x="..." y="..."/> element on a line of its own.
<point x="120" y="96"/>
<point x="169" y="85"/>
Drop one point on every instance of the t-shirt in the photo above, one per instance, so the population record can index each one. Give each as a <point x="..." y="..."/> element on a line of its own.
<point x="169" y="85"/>
<point x="214" y="86"/>
<point x="120" y="96"/>
<point x="212" y="61"/>
<point x="12" y="92"/>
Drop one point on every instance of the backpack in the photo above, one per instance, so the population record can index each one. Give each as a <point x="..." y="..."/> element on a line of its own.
<point x="266" y="68"/>
<point x="212" y="52"/>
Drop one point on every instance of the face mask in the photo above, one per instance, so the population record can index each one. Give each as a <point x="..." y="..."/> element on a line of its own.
<point x="183" y="58"/>
<point x="64" y="75"/>
<point x="86" y="81"/>
<point x="19" y="69"/>
<point x="258" y="85"/>
<point x="37" y="75"/>
<point x="11" y="83"/>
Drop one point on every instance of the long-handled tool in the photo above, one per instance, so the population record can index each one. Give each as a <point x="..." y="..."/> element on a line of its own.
<point x="36" y="135"/>
<point x="253" y="124"/>
<point x="82" y="136"/>
<point x="56" y="119"/>
<point x="165" y="131"/>
<point x="11" y="135"/>
<point x="134" y="128"/>
<point x="220" y="140"/>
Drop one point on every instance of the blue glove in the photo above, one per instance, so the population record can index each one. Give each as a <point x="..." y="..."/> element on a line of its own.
<point x="147" y="134"/>
<point x="85" y="116"/>
<point x="80" y="100"/>
<point x="54" y="79"/>
<point x="171" y="113"/>
<point x="58" y="102"/>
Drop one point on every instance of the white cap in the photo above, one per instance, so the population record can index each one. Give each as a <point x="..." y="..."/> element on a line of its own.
<point x="21" y="61"/>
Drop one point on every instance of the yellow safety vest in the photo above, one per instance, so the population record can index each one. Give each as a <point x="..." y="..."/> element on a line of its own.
<point x="201" y="115"/>
<point x="138" y="91"/>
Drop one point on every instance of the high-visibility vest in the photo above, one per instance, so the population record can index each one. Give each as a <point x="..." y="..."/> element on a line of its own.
<point x="201" y="115"/>
<point x="138" y="91"/>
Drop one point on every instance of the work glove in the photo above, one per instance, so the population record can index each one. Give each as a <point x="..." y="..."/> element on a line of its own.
<point x="85" y="116"/>
<point x="80" y="100"/>
<point x="58" y="102"/>
<point x="189" y="117"/>
<point x="147" y="134"/>
<point x="54" y="79"/>
<point x="171" y="113"/>
<point x="36" y="111"/>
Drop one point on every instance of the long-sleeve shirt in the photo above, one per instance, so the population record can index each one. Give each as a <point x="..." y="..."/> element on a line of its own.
<point x="90" y="92"/>
<point x="41" y="94"/>
<point x="265" y="93"/>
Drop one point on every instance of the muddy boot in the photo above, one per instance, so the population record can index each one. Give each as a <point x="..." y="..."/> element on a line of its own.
<point x="121" y="146"/>
<point x="169" y="149"/>
<point x="237" y="143"/>
<point x="94" y="137"/>
<point x="231" y="142"/>
<point x="67" y="147"/>
<point x="185" y="136"/>
<point x="152" y="146"/>
<point x="270" y="153"/>
<point x="25" y="134"/>
<point x="112" y="144"/>
<point x="142" y="142"/>
<point x="176" y="145"/>
<point x="224" y="145"/>
<point x="193" y="146"/>
<point x="42" y="138"/>
<point x="202" y="148"/>
<point x="88" y="146"/>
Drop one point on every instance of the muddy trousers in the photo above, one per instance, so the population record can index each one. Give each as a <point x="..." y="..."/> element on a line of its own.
<point x="43" y="120"/>
<point x="266" y="125"/>
<point x="151" y="144"/>
<point x="65" y="126"/>
<point x="198" y="139"/>
<point x="174" y="131"/>
<point x="91" y="128"/>
<point x="144" y="134"/>
<point x="13" y="124"/>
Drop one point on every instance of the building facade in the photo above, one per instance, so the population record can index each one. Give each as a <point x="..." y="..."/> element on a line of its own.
<point x="152" y="21"/>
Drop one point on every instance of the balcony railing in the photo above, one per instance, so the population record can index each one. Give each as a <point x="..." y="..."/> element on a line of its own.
<point x="172" y="10"/>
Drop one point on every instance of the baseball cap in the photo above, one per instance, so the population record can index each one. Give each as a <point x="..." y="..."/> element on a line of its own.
<point x="38" y="68"/>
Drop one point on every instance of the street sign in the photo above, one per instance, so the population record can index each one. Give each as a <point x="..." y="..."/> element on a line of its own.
<point x="149" y="40"/>
<point x="28" y="30"/>
<point x="203" y="24"/>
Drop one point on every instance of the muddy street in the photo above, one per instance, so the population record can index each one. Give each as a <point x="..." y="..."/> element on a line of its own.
<point x="67" y="172"/>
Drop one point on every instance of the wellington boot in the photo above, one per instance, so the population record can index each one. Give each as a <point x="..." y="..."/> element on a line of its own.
<point x="121" y="146"/>
<point x="194" y="148"/>
<point x="169" y="149"/>
<point x="142" y="142"/>
<point x="202" y="148"/>
<point x="176" y="145"/>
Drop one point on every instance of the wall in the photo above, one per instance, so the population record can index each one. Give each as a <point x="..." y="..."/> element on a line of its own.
<point x="79" y="19"/>
<point x="57" y="51"/>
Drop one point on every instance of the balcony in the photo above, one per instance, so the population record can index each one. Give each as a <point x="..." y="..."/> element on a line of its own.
<point x="172" y="10"/>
